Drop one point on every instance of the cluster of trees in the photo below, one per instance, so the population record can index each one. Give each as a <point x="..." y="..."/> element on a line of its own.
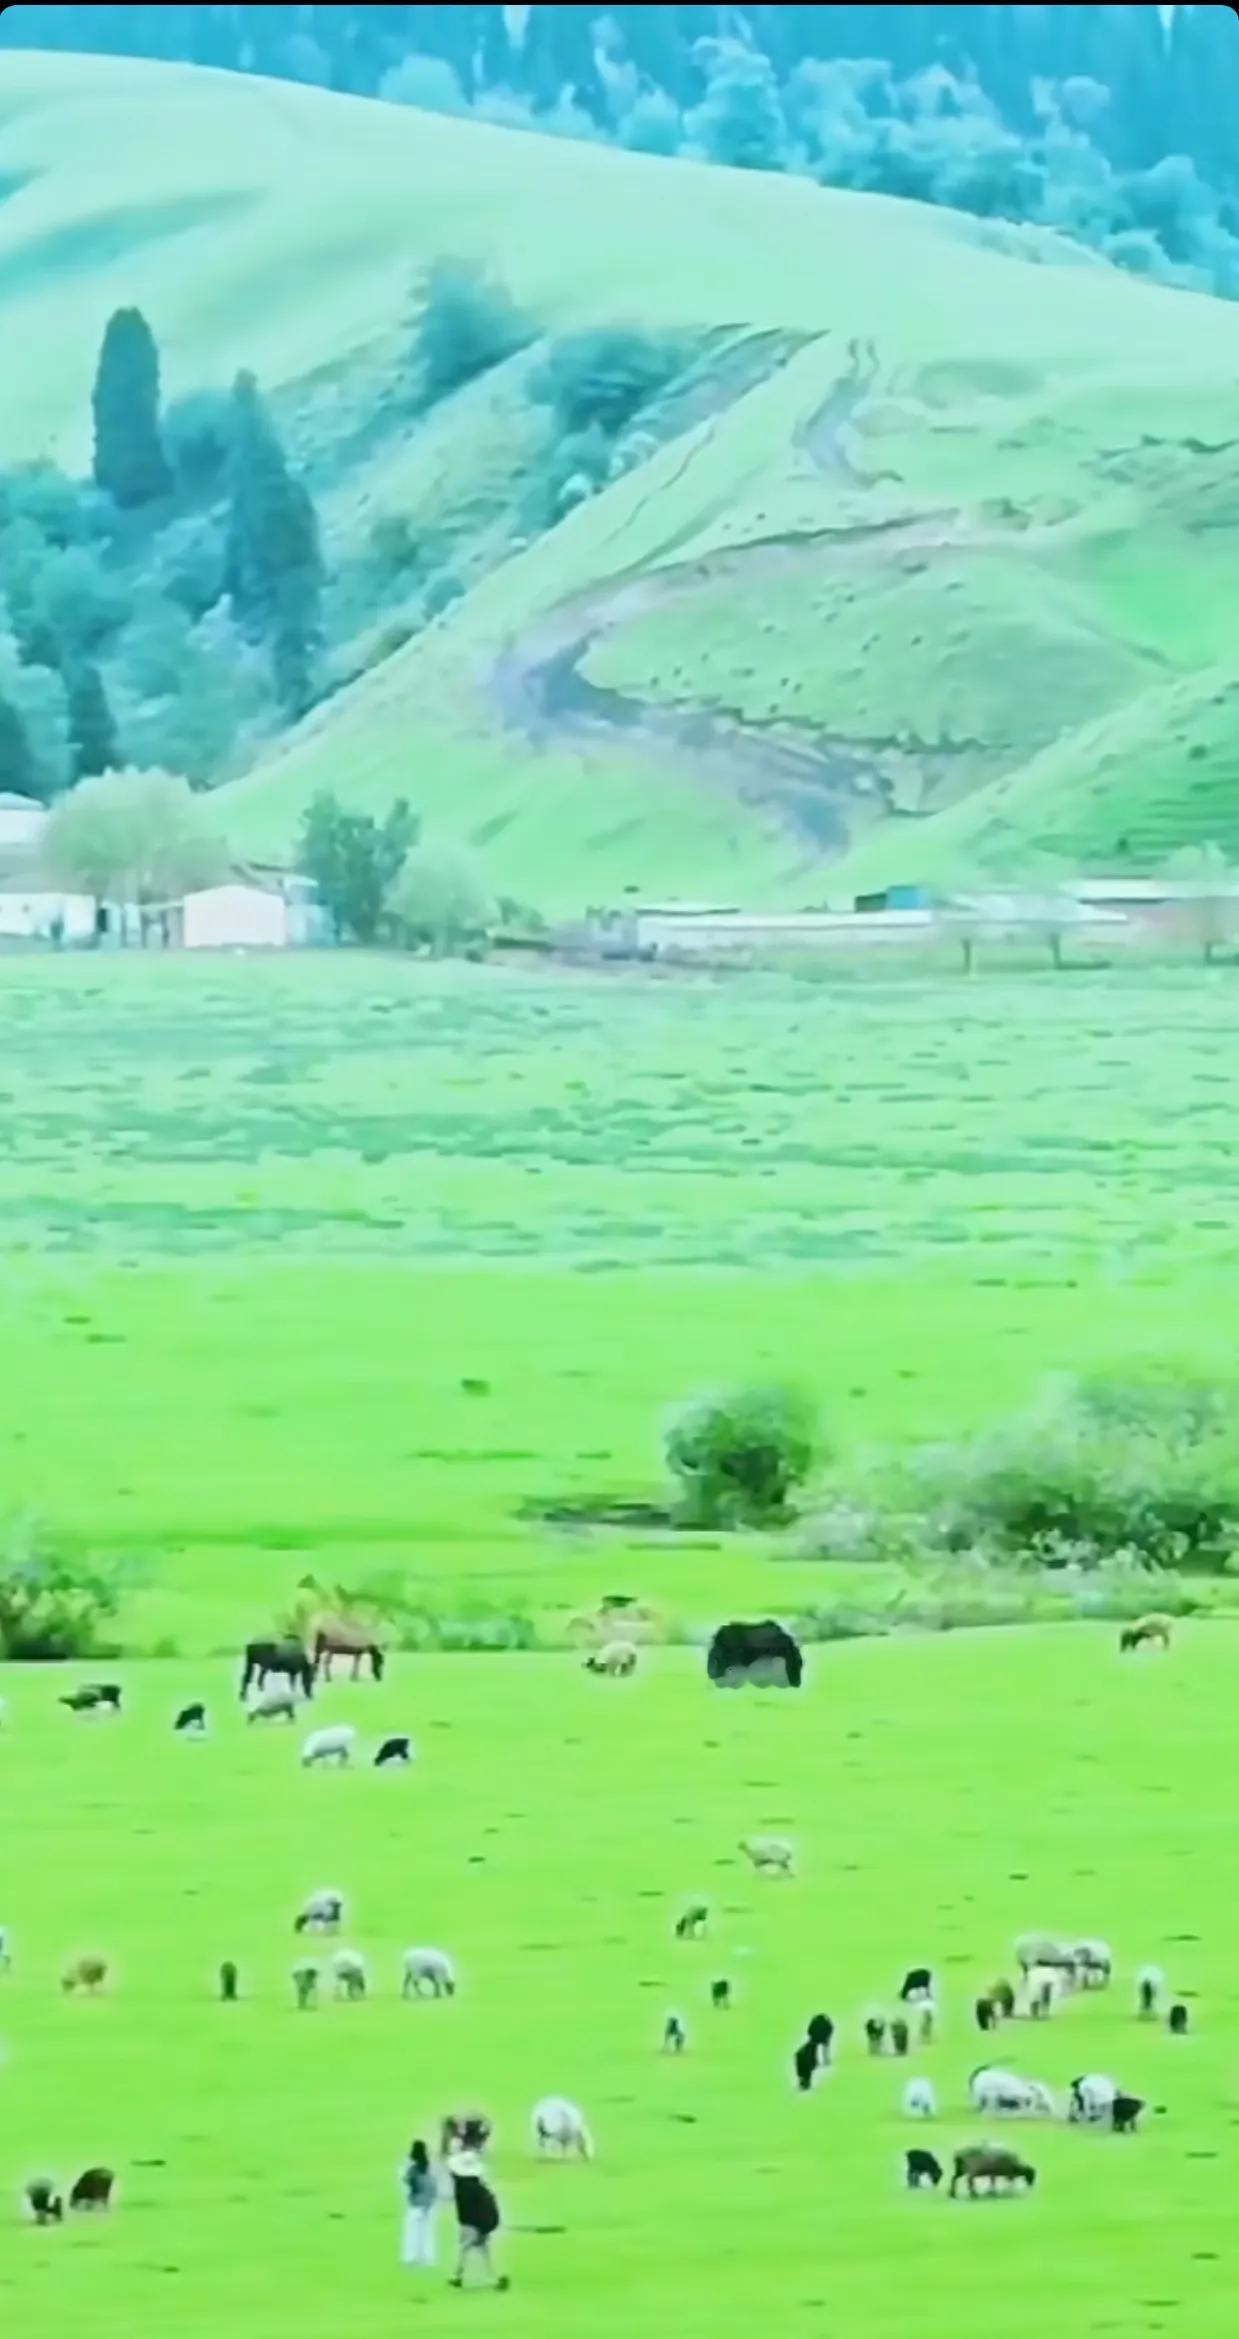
<point x="143" y="612"/>
<point x="1116" y="125"/>
<point x="378" y="880"/>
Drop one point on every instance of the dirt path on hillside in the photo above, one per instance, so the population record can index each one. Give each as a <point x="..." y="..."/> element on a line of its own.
<point x="814" y="778"/>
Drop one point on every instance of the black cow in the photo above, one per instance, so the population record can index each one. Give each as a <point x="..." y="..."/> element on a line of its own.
<point x="762" y="1655"/>
<point x="285" y="1657"/>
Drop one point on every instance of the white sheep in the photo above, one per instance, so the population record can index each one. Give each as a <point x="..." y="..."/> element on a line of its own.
<point x="1041" y="1991"/>
<point x="617" y="1658"/>
<point x="562" y="2124"/>
<point x="1044" y="1949"/>
<point x="1150" y="1990"/>
<point x="321" y="1912"/>
<point x="1094" y="1964"/>
<point x="349" y="1975"/>
<point x="993" y="2090"/>
<point x="919" y="2100"/>
<point x="1093" y="2097"/>
<point x="771" y="1855"/>
<point x="275" y="1701"/>
<point x="431" y="1970"/>
<point x="333" y="1745"/>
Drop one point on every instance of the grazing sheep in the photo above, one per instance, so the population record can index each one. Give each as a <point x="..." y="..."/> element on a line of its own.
<point x="1002" y="1998"/>
<point x="93" y="2190"/>
<point x="1146" y="1633"/>
<point x="919" y="2100"/>
<point x="305" y="1980"/>
<point x="1124" y="2113"/>
<point x="1176" y="2021"/>
<point x="1092" y="2098"/>
<point x="917" y="1984"/>
<point x="821" y="2032"/>
<point x="1043" y="1949"/>
<point x="763" y="1655"/>
<point x="692" y="1922"/>
<point x="675" y="2035"/>
<point x="394" y="1753"/>
<point x="771" y="1855"/>
<point x="191" y="1722"/>
<point x="45" y="2201"/>
<point x="921" y="2168"/>
<point x="334" y="1745"/>
<point x="991" y="2163"/>
<point x="276" y="1701"/>
<point x="875" y="2033"/>
<point x="807" y="2061"/>
<point x="616" y="1660"/>
<point x="560" y="2124"/>
<point x="1150" y="1991"/>
<point x="85" y="1973"/>
<point x="321" y="1912"/>
<point x="1094" y="1964"/>
<point x="926" y="2020"/>
<point x="427" y="1970"/>
<point x="94" y="1697"/>
<point x="1041" y="1993"/>
<point x="986" y="2013"/>
<point x="229" y="1982"/>
<point x="992" y="2090"/>
<point x="348" y="1974"/>
<point x="720" y="1995"/>
<point x="901" y="2037"/>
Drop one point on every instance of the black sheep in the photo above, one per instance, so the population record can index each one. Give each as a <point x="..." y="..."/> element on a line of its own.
<point x="192" y="1719"/>
<point x="720" y="1995"/>
<point x="93" y="2189"/>
<point x="46" y="2205"/>
<point x="986" y="2013"/>
<point x="393" y="1750"/>
<point x="923" y="2168"/>
<point x="900" y="2035"/>
<point x="1124" y="2113"/>
<point x="805" y="2064"/>
<point x="875" y="2034"/>
<point x="1176" y="2021"/>
<point x="229" y="1980"/>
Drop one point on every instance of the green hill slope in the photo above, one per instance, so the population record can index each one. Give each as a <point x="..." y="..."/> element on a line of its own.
<point x="922" y="568"/>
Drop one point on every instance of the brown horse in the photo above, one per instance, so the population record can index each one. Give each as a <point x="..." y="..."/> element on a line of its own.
<point x="345" y="1636"/>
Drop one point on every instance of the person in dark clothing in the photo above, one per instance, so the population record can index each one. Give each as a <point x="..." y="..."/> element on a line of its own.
<point x="477" y="2217"/>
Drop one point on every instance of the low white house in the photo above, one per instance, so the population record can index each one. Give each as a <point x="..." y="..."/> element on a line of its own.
<point x="237" y="917"/>
<point x="46" y="917"/>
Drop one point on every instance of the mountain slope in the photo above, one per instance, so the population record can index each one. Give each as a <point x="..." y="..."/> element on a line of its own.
<point x="932" y="590"/>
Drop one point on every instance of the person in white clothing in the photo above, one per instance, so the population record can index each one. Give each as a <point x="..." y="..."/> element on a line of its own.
<point x="421" y="2202"/>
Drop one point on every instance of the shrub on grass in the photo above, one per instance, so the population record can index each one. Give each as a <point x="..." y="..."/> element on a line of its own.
<point x="52" y="1604"/>
<point x="740" y="1454"/>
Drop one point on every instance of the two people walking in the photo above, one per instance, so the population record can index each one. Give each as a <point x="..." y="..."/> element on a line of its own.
<point x="477" y="2212"/>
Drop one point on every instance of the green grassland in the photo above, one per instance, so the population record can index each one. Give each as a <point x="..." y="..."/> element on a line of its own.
<point x="925" y="575"/>
<point x="944" y="1795"/>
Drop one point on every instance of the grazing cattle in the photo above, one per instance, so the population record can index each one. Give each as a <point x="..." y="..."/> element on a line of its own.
<point x="94" y="1697"/>
<point x="427" y="1971"/>
<point x="692" y="1921"/>
<point x="760" y="1656"/>
<point x="85" y="1973"/>
<point x="348" y="1974"/>
<point x="771" y="1855"/>
<point x="191" y="1722"/>
<point x="276" y="1702"/>
<point x="45" y="2202"/>
<point x="901" y="2037"/>
<point x="1150" y="1991"/>
<point x="394" y="1754"/>
<point x="345" y="1636"/>
<point x="720" y="1995"/>
<point x="305" y="1980"/>
<point x="1094" y="1964"/>
<point x="92" y="2190"/>
<point x="1177" y="2021"/>
<point x="917" y="1985"/>
<point x="321" y="1912"/>
<point x="616" y="1660"/>
<point x="921" y="2168"/>
<point x="560" y="2125"/>
<point x="285" y="1658"/>
<point x="986" y="2014"/>
<point x="992" y="2090"/>
<point x="1125" y="2112"/>
<point x="334" y="1745"/>
<point x="1147" y="1632"/>
<point x="229" y="1982"/>
<point x="1092" y="2098"/>
<point x="875" y="2033"/>
<point x="1043" y="1949"/>
<point x="675" y="2035"/>
<point x="990" y="2164"/>
<point x="807" y="2061"/>
<point x="919" y="2100"/>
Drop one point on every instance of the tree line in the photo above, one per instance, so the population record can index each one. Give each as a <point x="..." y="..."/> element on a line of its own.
<point x="1118" y="126"/>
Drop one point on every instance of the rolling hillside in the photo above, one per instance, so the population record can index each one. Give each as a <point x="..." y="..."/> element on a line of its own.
<point x="921" y="565"/>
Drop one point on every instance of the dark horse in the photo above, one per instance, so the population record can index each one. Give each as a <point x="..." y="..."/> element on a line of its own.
<point x="286" y="1657"/>
<point x="338" y="1636"/>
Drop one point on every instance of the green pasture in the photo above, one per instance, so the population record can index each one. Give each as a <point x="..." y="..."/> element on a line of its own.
<point x="944" y="1794"/>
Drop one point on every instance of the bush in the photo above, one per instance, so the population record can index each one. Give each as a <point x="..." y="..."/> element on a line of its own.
<point x="468" y="322"/>
<point x="439" y="902"/>
<point x="52" y="1605"/>
<point x="601" y="379"/>
<point x="740" y="1454"/>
